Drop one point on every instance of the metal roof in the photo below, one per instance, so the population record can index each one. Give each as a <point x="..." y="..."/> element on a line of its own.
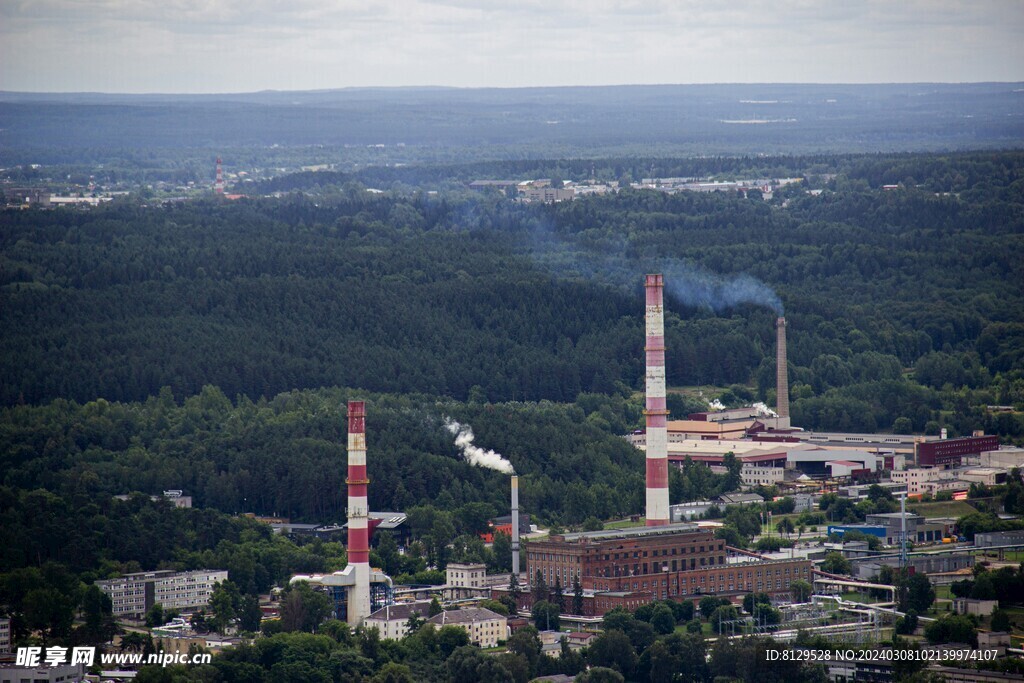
<point x="633" y="532"/>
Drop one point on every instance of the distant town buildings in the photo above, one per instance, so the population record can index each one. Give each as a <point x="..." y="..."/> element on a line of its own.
<point x="547" y="191"/>
<point x="175" y="497"/>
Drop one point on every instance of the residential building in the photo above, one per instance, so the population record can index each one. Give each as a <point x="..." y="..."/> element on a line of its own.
<point x="579" y="639"/>
<point x="134" y="594"/>
<point x="392" y="621"/>
<point x="5" y="634"/>
<point x="465" y="575"/>
<point x="485" y="628"/>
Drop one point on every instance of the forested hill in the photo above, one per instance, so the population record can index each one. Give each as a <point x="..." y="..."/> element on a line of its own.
<point x="457" y="295"/>
<point x="510" y="123"/>
<point x="286" y="456"/>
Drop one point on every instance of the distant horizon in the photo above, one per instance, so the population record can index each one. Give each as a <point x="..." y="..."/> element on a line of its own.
<point x="507" y="88"/>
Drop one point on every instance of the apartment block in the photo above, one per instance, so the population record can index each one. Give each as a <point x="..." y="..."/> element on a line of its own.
<point x="134" y="594"/>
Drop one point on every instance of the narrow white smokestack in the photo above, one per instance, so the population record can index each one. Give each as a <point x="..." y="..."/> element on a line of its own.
<point x="358" y="515"/>
<point x="656" y="412"/>
<point x="515" y="527"/>
<point x="781" y="375"/>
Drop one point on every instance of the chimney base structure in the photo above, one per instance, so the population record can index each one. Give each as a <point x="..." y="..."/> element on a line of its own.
<point x="656" y="413"/>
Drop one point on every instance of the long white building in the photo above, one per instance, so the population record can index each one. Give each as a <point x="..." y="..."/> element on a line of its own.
<point x="134" y="594"/>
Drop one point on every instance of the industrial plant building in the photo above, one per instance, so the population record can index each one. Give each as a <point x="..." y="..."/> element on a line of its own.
<point x="631" y="567"/>
<point x="666" y="559"/>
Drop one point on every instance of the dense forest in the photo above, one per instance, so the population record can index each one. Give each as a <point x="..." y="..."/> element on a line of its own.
<point x="902" y="305"/>
<point x="286" y="456"/>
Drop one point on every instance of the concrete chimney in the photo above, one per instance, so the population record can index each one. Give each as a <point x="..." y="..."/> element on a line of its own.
<point x="656" y="413"/>
<point x="515" y="527"/>
<point x="781" y="374"/>
<point x="358" y="515"/>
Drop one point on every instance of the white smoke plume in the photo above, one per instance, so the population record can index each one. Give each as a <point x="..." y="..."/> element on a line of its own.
<point x="473" y="454"/>
<point x="715" y="404"/>
<point x="764" y="411"/>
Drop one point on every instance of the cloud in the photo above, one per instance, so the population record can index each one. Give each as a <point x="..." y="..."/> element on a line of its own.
<point x="230" y="45"/>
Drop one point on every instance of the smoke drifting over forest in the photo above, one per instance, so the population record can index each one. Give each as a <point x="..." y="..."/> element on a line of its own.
<point x="685" y="283"/>
<point x="694" y="286"/>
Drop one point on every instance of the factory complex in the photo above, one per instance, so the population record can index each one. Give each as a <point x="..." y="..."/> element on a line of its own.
<point x="675" y="555"/>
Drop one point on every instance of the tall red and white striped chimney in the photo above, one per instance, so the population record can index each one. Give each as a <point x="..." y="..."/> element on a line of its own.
<point x="781" y="374"/>
<point x="656" y="413"/>
<point x="218" y="185"/>
<point x="358" y="514"/>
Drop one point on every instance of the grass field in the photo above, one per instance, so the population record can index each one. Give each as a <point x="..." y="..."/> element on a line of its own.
<point x="946" y="508"/>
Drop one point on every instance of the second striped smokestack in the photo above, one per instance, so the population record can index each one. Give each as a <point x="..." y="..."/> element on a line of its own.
<point x="781" y="374"/>
<point x="358" y="514"/>
<point x="656" y="413"/>
<point x="515" y="527"/>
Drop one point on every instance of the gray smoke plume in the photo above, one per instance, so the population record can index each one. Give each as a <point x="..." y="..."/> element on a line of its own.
<point x="473" y="454"/>
<point x="697" y="287"/>
<point x="607" y="260"/>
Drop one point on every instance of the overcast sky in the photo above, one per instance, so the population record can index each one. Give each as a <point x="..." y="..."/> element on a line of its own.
<point x="204" y="46"/>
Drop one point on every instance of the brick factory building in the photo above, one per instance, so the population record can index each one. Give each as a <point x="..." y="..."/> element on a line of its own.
<point x="950" y="452"/>
<point x="631" y="567"/>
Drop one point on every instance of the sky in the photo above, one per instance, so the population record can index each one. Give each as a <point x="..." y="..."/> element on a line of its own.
<point x="216" y="46"/>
